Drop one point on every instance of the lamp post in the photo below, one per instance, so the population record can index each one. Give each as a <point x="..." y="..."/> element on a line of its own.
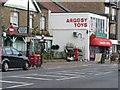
<point x="42" y="46"/>
<point x="27" y="51"/>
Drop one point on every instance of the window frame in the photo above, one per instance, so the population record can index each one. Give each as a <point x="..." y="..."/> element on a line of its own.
<point x="31" y="17"/>
<point x="42" y="23"/>
<point x="14" y="19"/>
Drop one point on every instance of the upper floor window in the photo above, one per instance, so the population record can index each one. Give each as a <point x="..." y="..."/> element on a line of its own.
<point x="98" y="25"/>
<point x="106" y="0"/>
<point x="113" y="11"/>
<point x="113" y="14"/>
<point x="42" y="23"/>
<point x="14" y="18"/>
<point x="107" y="10"/>
<point x="31" y="21"/>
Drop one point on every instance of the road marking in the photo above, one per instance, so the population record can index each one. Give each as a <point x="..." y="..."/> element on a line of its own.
<point x="69" y="78"/>
<point x="20" y="85"/>
<point x="107" y="72"/>
<point x="50" y="75"/>
<point x="103" y="73"/>
<point x="32" y="78"/>
<point x="98" y="74"/>
<point x="54" y="67"/>
<point x="67" y="74"/>
<point x="14" y="82"/>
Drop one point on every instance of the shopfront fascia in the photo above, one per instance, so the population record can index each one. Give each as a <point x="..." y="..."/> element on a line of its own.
<point x="99" y="45"/>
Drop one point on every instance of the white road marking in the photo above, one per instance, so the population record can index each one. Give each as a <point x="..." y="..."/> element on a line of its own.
<point x="19" y="75"/>
<point x="69" y="78"/>
<point x="19" y="85"/>
<point x="107" y="72"/>
<point x="54" y="67"/>
<point x="33" y="78"/>
<point x="14" y="82"/>
<point x="98" y="74"/>
<point x="67" y="74"/>
<point x="50" y="75"/>
<point x="103" y="73"/>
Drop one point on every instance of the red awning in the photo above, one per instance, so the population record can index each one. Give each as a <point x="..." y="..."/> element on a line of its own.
<point x="100" y="42"/>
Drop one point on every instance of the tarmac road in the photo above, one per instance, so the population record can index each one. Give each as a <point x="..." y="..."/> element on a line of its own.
<point x="67" y="75"/>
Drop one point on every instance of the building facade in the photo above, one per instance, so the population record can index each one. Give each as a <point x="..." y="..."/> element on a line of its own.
<point x="118" y="27"/>
<point x="86" y="31"/>
<point x="108" y="8"/>
<point x="15" y="14"/>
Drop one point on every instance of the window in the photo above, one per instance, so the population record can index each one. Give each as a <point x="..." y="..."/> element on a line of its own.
<point x="31" y="21"/>
<point x="8" y="51"/>
<point x="15" y="52"/>
<point x="107" y="10"/>
<point x="103" y="26"/>
<point x="106" y="0"/>
<point x="98" y="25"/>
<point x="42" y="23"/>
<point x="14" y="18"/>
<point x="113" y="14"/>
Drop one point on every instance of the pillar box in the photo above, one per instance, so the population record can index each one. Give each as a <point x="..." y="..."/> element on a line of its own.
<point x="76" y="52"/>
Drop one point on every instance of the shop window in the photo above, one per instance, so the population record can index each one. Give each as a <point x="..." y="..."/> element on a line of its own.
<point x="14" y="18"/>
<point x="42" y="23"/>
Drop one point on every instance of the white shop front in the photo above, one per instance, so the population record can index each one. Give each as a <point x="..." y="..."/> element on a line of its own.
<point x="76" y="28"/>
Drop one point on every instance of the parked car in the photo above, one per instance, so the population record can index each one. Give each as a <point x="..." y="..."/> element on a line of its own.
<point x="12" y="58"/>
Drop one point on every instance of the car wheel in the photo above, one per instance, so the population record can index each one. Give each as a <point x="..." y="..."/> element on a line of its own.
<point x="5" y="67"/>
<point x="26" y="66"/>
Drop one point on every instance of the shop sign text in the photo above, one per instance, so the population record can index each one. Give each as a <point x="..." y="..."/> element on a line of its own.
<point x="104" y="43"/>
<point x="78" y="22"/>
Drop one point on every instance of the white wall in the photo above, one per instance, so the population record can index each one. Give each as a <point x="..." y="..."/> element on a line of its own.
<point x="62" y="37"/>
<point x="59" y="21"/>
<point x="62" y="28"/>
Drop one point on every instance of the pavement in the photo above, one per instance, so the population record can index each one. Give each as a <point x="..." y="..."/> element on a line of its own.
<point x="62" y="63"/>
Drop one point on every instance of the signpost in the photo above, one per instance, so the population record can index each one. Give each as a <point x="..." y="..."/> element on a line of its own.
<point x="11" y="29"/>
<point x="22" y="29"/>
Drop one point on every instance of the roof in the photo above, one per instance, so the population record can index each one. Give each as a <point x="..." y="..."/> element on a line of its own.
<point x="51" y="6"/>
<point x="96" y="7"/>
<point x="22" y="4"/>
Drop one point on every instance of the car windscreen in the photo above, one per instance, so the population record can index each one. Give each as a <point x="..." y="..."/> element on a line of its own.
<point x="14" y="51"/>
<point x="8" y="51"/>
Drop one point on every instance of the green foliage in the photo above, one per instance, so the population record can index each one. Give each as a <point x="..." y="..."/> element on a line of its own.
<point x="55" y="47"/>
<point x="47" y="56"/>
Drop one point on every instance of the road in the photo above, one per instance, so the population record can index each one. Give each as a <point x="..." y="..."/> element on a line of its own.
<point x="91" y="76"/>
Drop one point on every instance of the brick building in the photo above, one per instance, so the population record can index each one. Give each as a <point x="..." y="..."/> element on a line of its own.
<point x="118" y="27"/>
<point x="12" y="12"/>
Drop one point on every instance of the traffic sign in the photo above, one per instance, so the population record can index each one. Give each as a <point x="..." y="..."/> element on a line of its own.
<point x="11" y="30"/>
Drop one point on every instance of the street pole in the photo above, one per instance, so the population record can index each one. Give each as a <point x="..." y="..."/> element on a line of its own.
<point x="1" y="40"/>
<point x="27" y="51"/>
<point x="42" y="49"/>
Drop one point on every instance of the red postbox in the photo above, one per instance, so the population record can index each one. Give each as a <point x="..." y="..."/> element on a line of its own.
<point x="35" y="60"/>
<point x="76" y="53"/>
